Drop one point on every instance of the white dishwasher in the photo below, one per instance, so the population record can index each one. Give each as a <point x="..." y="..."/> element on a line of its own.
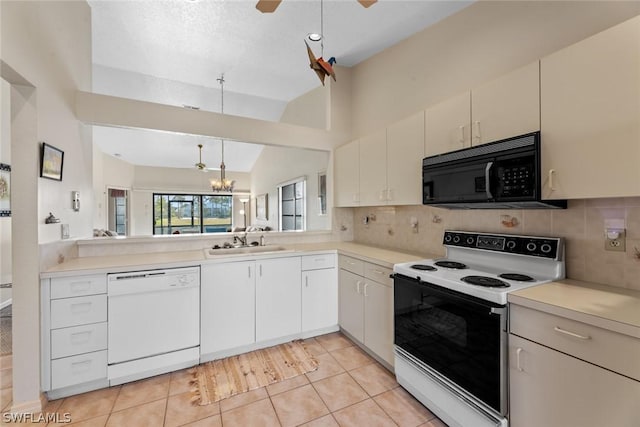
<point x="154" y="322"/>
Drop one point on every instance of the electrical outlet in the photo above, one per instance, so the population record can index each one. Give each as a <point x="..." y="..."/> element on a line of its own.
<point x="616" y="245"/>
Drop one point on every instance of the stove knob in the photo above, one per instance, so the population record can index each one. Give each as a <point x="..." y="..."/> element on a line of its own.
<point x="511" y="244"/>
<point x="545" y="248"/>
<point x="531" y="246"/>
<point x="447" y="238"/>
<point x="456" y="239"/>
<point x="470" y="240"/>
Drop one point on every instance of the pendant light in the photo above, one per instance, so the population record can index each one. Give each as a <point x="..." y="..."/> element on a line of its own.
<point x="223" y="185"/>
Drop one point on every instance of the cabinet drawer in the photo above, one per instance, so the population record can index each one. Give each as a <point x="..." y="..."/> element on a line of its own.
<point x="65" y="287"/>
<point x="611" y="350"/>
<point x="78" y="311"/>
<point x="315" y="262"/>
<point x="378" y="273"/>
<point x="351" y="264"/>
<point x="78" y="339"/>
<point x="78" y="369"/>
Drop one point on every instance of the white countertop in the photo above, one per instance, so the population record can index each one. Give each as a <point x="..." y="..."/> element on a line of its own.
<point x="608" y="307"/>
<point x="121" y="263"/>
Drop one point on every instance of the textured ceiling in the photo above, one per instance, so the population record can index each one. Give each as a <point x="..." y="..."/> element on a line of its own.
<point x="182" y="46"/>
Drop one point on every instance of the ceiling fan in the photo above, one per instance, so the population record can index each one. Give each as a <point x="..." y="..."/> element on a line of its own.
<point x="269" y="6"/>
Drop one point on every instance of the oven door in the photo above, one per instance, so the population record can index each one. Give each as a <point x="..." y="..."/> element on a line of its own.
<point x="459" y="336"/>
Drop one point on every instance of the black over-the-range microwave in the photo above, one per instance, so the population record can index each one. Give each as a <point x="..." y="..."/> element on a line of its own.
<point x="500" y="175"/>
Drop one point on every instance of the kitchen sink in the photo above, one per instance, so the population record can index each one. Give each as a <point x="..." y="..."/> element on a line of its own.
<point x="244" y="250"/>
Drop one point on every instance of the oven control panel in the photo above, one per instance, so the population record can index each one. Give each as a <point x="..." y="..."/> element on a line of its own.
<point x="544" y="247"/>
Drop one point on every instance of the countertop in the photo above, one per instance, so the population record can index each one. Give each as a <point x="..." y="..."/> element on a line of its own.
<point x="608" y="307"/>
<point x="121" y="263"/>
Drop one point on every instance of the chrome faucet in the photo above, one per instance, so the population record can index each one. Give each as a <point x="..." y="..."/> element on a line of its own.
<point x="242" y="240"/>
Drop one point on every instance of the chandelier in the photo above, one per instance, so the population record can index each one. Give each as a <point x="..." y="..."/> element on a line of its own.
<point x="223" y="185"/>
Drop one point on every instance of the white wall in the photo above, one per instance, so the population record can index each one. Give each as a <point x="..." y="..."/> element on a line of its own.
<point x="5" y="222"/>
<point x="310" y="109"/>
<point x="47" y="45"/>
<point x="277" y="165"/>
<point x="483" y="41"/>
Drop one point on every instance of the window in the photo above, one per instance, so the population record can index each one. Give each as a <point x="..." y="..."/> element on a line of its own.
<point x="191" y="213"/>
<point x="292" y="197"/>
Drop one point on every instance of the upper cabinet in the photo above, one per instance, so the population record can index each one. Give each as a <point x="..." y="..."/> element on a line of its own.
<point x="373" y="168"/>
<point x="590" y="115"/>
<point x="405" y="150"/>
<point x="505" y="107"/>
<point x="347" y="175"/>
<point x="382" y="168"/>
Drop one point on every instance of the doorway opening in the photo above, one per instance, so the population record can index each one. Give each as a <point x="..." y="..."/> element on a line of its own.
<point x="118" y="210"/>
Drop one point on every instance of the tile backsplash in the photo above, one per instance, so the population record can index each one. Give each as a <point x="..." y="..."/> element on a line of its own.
<point x="582" y="225"/>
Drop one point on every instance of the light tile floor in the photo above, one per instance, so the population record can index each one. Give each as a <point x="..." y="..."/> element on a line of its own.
<point x="348" y="389"/>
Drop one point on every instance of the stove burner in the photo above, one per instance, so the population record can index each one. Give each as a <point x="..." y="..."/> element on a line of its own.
<point x="451" y="264"/>
<point x="423" y="267"/>
<point x="517" y="277"/>
<point x="488" y="282"/>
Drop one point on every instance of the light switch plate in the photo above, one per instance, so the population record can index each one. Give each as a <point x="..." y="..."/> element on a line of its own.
<point x="618" y="244"/>
<point x="65" y="230"/>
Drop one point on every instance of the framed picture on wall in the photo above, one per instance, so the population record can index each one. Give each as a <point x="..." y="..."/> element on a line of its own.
<point x="51" y="162"/>
<point x="262" y="207"/>
<point x="5" y="190"/>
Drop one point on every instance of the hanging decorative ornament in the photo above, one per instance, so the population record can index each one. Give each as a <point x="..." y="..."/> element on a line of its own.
<point x="223" y="185"/>
<point x="321" y="67"/>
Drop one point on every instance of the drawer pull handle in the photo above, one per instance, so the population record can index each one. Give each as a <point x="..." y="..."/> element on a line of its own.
<point x="82" y="366"/>
<point x="351" y="263"/>
<point x="365" y="289"/>
<point x="358" y="283"/>
<point x="378" y="271"/>
<point x="80" y="286"/>
<point x="82" y="307"/>
<point x="571" y="334"/>
<point x="80" y="337"/>
<point x="518" y="364"/>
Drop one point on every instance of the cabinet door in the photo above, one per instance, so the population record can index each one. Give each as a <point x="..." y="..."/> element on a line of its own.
<point x="405" y="150"/>
<point x="373" y="169"/>
<point x="552" y="389"/>
<point x="590" y="105"/>
<point x="227" y="306"/>
<point x="319" y="299"/>
<point x="507" y="106"/>
<point x="347" y="175"/>
<point x="278" y="298"/>
<point x="378" y="319"/>
<point x="448" y="125"/>
<point x="351" y="303"/>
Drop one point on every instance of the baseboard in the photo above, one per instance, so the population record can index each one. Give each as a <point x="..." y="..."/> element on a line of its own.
<point x="30" y="407"/>
<point x="7" y="303"/>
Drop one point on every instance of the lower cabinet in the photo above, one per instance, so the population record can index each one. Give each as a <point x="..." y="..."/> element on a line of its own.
<point x="366" y="305"/>
<point x="319" y="292"/>
<point x="563" y="372"/>
<point x="278" y="298"/>
<point x="227" y="306"/>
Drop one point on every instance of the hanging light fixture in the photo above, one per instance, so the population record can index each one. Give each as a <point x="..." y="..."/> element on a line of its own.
<point x="223" y="185"/>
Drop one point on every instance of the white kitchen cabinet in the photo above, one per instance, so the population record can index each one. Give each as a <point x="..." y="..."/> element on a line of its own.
<point x="347" y="175"/>
<point x="319" y="292"/>
<point x="74" y="334"/>
<point x="507" y="106"/>
<point x="501" y="108"/>
<point x="549" y="388"/>
<point x="227" y="306"/>
<point x="373" y="169"/>
<point x="351" y="312"/>
<point x="447" y="125"/>
<point x="278" y="298"/>
<point x="366" y="305"/>
<point x="405" y="150"/>
<point x="564" y="372"/>
<point x="590" y="110"/>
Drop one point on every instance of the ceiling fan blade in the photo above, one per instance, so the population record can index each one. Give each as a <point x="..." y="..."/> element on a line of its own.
<point x="367" y="3"/>
<point x="267" y="6"/>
